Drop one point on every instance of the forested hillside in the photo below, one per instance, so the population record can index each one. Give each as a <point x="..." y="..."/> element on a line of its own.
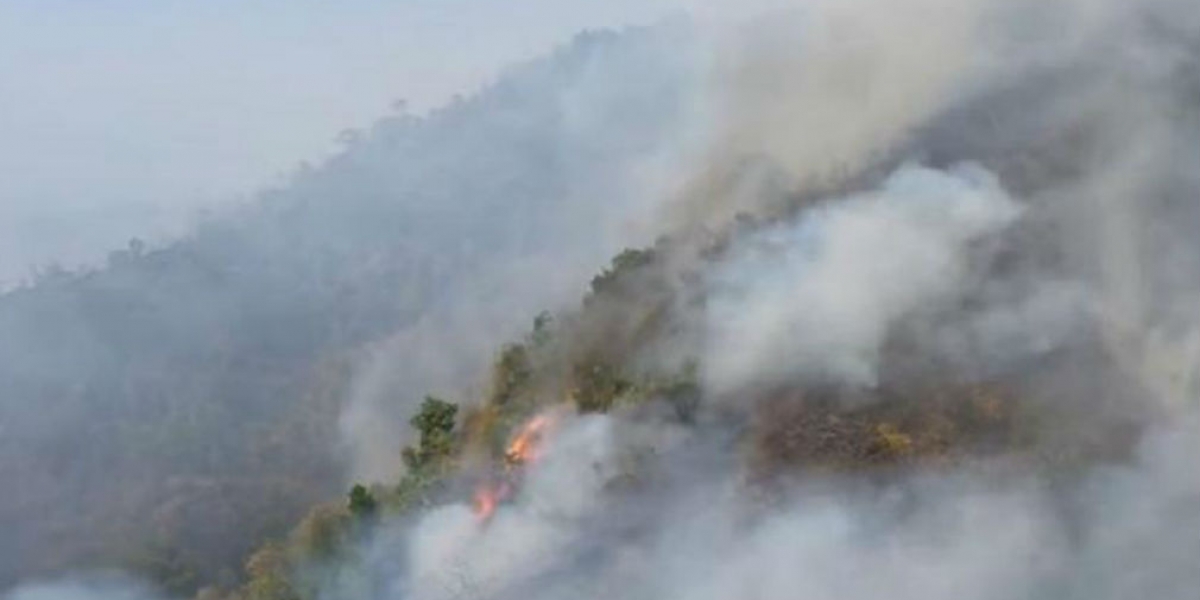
<point x="863" y="299"/>
<point x="923" y="376"/>
<point x="169" y="410"/>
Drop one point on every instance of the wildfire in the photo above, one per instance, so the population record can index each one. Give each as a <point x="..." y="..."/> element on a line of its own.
<point x="523" y="449"/>
<point x="488" y="496"/>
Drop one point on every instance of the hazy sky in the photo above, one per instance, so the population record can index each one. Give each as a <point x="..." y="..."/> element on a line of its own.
<point x="127" y="117"/>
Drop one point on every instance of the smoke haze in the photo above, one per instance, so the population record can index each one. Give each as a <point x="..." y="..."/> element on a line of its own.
<point x="1059" y="245"/>
<point x="854" y="211"/>
<point x="136" y="118"/>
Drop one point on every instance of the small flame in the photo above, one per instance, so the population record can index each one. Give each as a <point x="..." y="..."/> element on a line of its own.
<point x="489" y="496"/>
<point x="523" y="449"/>
<point x="525" y="446"/>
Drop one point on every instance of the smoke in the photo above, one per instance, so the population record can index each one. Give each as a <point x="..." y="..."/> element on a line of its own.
<point x="103" y="588"/>
<point x="991" y="532"/>
<point x="561" y="168"/>
<point x="824" y="88"/>
<point x="126" y="121"/>
<point x="821" y="294"/>
<point x="997" y="192"/>
<point x="208" y="377"/>
<point x="521" y="543"/>
<point x="1048" y="243"/>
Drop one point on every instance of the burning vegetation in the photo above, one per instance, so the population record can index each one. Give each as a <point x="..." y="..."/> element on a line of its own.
<point x="525" y="448"/>
<point x="896" y="320"/>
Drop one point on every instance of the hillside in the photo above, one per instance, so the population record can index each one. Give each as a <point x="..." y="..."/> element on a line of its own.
<point x="184" y="402"/>
<point x="869" y="299"/>
<point x="914" y="379"/>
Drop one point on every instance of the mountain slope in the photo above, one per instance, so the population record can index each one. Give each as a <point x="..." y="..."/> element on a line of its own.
<point x="187" y="399"/>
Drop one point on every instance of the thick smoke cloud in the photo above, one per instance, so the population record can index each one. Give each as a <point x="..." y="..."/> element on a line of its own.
<point x="1124" y="530"/>
<point x="822" y="293"/>
<point x="207" y="378"/>
<point x="1082" y="207"/>
<point x="1048" y="241"/>
<point x="824" y="88"/>
<point x="524" y="542"/>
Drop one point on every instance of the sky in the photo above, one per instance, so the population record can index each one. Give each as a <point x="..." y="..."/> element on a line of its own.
<point x="132" y="118"/>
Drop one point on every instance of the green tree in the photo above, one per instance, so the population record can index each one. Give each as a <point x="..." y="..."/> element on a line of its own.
<point x="435" y="423"/>
<point x="623" y="264"/>
<point x="362" y="502"/>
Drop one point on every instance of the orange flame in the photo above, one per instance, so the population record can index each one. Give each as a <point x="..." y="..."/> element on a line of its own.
<point x="525" y="446"/>
<point x="487" y="497"/>
<point x="523" y="449"/>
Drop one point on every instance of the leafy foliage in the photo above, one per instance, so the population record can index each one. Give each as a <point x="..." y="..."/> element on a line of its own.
<point x="624" y="265"/>
<point x="362" y="503"/>
<point x="435" y="424"/>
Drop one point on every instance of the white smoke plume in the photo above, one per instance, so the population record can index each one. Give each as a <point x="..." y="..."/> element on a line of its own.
<point x="830" y="89"/>
<point x="823" y="88"/>
<point x="988" y="533"/>
<point x="820" y="295"/>
<point x="531" y="538"/>
<point x="1055" y="216"/>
